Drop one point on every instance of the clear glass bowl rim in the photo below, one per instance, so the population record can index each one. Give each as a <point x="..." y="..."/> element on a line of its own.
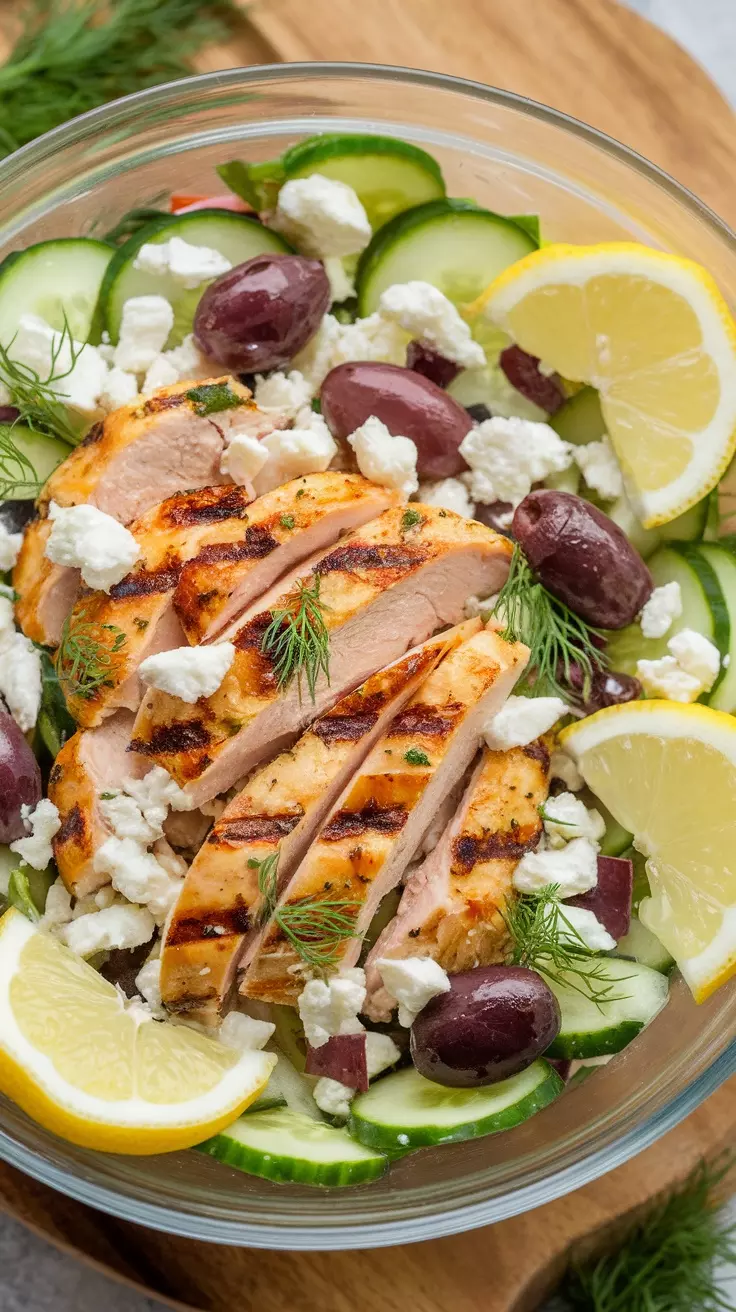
<point x="591" y="1167"/>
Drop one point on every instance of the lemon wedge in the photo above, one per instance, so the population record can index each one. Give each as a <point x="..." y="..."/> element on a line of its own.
<point x="96" y="1069"/>
<point x="667" y="772"/>
<point x="652" y="332"/>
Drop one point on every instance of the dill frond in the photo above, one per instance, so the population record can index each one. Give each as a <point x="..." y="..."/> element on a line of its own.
<point x="543" y="939"/>
<point x="35" y="397"/>
<point x="88" y="656"/>
<point x="315" y="928"/>
<point x="297" y="639"/>
<point x="268" y="869"/>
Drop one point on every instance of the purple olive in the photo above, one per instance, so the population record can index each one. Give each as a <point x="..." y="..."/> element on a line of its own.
<point x="479" y="412"/>
<point x="9" y="414"/>
<point x="20" y="779"/>
<point x="582" y="557"/>
<point x="494" y="1022"/>
<point x="494" y="516"/>
<point x="406" y="403"/>
<point x="610" y="900"/>
<point x="261" y="313"/>
<point x="522" y="371"/>
<point x="15" y="515"/>
<point x="430" y="364"/>
<point x="607" y="687"/>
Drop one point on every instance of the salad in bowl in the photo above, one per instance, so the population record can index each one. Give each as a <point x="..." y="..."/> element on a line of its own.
<point x="367" y="745"/>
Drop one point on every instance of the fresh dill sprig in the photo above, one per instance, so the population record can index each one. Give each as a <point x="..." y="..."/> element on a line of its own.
<point x="557" y="638"/>
<point x="35" y="397"/>
<point x="315" y="928"/>
<point x="668" y="1262"/>
<point x="87" y="657"/>
<point x="297" y="639"/>
<point x="543" y="939"/>
<point x="73" y="55"/>
<point x="19" y="479"/>
<point x="267" y="881"/>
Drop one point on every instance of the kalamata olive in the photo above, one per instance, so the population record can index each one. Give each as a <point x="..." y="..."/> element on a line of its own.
<point x="14" y="515"/>
<point x="430" y="364"/>
<point x="8" y="414"/>
<point x="122" y="966"/>
<point x="610" y="900"/>
<point x="261" y="313"/>
<point x="20" y="779"/>
<point x="607" y="687"/>
<point x="496" y="516"/>
<point x="479" y="412"/>
<point x="582" y="557"/>
<point x="523" y="372"/>
<point x="494" y="1022"/>
<point x="406" y="403"/>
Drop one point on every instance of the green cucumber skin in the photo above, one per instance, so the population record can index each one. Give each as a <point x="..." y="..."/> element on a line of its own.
<point x="590" y="1044"/>
<point x="289" y="1170"/>
<point x="386" y="1138"/>
<point x="716" y="601"/>
<point x="722" y="560"/>
<point x="332" y="145"/>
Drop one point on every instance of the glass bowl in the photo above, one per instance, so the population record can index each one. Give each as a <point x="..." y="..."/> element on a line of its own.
<point x="516" y="157"/>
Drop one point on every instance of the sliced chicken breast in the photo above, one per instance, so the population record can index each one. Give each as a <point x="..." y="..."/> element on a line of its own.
<point x="374" y="829"/>
<point x="384" y="589"/>
<point x="46" y="592"/>
<point x="273" y="820"/>
<point x="451" y="907"/>
<point x="91" y="763"/>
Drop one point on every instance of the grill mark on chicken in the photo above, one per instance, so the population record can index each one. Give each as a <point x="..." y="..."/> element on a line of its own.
<point x="217" y="923"/>
<point x="423" y="720"/>
<point x="73" y="828"/>
<point x="146" y="582"/>
<point x="344" y="728"/>
<point x="468" y="851"/>
<point x="179" y="736"/>
<point x="537" y="751"/>
<point x="205" y="507"/>
<point x="258" y="543"/>
<point x="94" y="434"/>
<point x="155" y="404"/>
<point x="355" y="556"/>
<point x="255" y="828"/>
<point x="251" y="634"/>
<point x="351" y="824"/>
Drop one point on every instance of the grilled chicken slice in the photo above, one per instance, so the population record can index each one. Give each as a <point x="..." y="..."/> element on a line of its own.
<point x="375" y="827"/>
<point x="91" y="762"/>
<point x="285" y="526"/>
<point x="137" y="456"/>
<point x="451" y="907"/>
<point x="273" y="820"/>
<point x="384" y="589"/>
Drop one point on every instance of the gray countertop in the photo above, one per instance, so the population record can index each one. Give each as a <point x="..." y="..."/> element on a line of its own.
<point x="34" y="1277"/>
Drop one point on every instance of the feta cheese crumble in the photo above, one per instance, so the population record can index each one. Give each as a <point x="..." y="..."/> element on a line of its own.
<point x="120" y="389"/>
<point x="187" y="264"/>
<point x="124" y="816"/>
<point x="245" y="1032"/>
<point x="44" y="823"/>
<point x="562" y="766"/>
<point x="574" y="868"/>
<point x="450" y="494"/>
<point x="691" y="668"/>
<point x="137" y="875"/>
<point x="373" y="338"/>
<point x="48" y="352"/>
<point x="156" y="793"/>
<point x="521" y="720"/>
<point x="413" y="981"/>
<point x="20" y="670"/>
<point x="333" y="1097"/>
<point x="118" y="926"/>
<point x="188" y="672"/>
<point x="658" y="613"/>
<point x="144" y="330"/>
<point x="384" y="458"/>
<point x="148" y="984"/>
<point x="243" y="458"/>
<point x="58" y="908"/>
<point x="566" y="817"/>
<point x="328" y="1007"/>
<point x="506" y="456"/>
<point x="600" y="468"/>
<point x="289" y="393"/>
<point x="425" y="313"/>
<point x="10" y="545"/>
<point x="589" y="928"/>
<point x="160" y="373"/>
<point x="87" y="539"/>
<point x="321" y="217"/>
<point x="307" y="449"/>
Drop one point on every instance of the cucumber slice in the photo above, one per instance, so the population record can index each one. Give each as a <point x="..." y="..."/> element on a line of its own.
<point x="27" y="458"/>
<point x="389" y="175"/>
<point x="590" y="1030"/>
<point x="723" y="563"/>
<point x="644" y="946"/>
<point x="288" y="1147"/>
<point x="703" y="608"/>
<point x="404" y="1110"/>
<point x="53" y="279"/>
<point x="236" y="236"/>
<point x="580" y="420"/>
<point x="454" y="244"/>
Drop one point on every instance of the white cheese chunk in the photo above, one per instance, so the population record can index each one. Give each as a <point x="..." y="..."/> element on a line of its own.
<point x="20" y="677"/>
<point x="521" y="720"/>
<point x="188" y="360"/>
<point x="506" y="456"/>
<point x="373" y="338"/>
<point x="187" y="264"/>
<point x="425" y="313"/>
<point x="450" y="494"/>
<point x="144" y="330"/>
<point x="658" y="613"/>
<point x="321" y="217"/>
<point x="188" y="672"/>
<point x="243" y="458"/>
<point x="245" y="1032"/>
<point x="58" y="908"/>
<point x="156" y="793"/>
<point x="600" y="468"/>
<point x="43" y="823"/>
<point x="385" y="458"/>
<point x="137" y="875"/>
<point x="289" y="393"/>
<point x="148" y="984"/>
<point x="588" y="927"/>
<point x="120" y="389"/>
<point x="696" y="655"/>
<point x="119" y="926"/>
<point x="50" y="353"/>
<point x="690" y="669"/>
<point x="574" y="868"/>
<point x="87" y="539"/>
<point x="413" y="981"/>
<point x="563" y="767"/>
<point x="333" y="1097"/>
<point x="566" y="817"/>
<point x="160" y="373"/>
<point x="126" y="819"/>
<point x="307" y="449"/>
<point x="329" y="1007"/>
<point x="10" y="545"/>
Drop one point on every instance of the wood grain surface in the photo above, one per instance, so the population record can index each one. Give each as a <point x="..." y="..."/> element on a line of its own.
<point x="605" y="65"/>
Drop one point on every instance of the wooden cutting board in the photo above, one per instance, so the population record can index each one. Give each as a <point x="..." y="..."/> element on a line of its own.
<point x="603" y="64"/>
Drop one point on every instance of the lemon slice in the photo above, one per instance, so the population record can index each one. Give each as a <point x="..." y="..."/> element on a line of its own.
<point x="652" y="332"/>
<point x="95" y="1069"/>
<point x="667" y="772"/>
